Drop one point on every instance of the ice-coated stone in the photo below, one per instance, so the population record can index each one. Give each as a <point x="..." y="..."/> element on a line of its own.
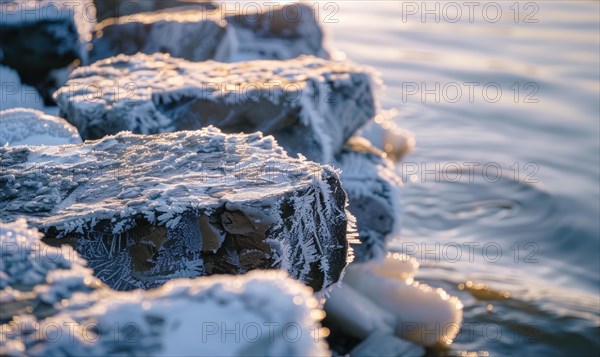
<point x="382" y="296"/>
<point x="373" y="189"/>
<point x="311" y="105"/>
<point x="187" y="32"/>
<point x="128" y="8"/>
<point x="41" y="38"/>
<point x="274" y="32"/>
<point x="52" y="305"/>
<point x="32" y="127"/>
<point x="143" y="209"/>
<point x="227" y="33"/>
<point x="380" y="344"/>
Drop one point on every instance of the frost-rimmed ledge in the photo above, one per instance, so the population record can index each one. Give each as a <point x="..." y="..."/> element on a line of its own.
<point x="143" y="209"/>
<point x="311" y="105"/>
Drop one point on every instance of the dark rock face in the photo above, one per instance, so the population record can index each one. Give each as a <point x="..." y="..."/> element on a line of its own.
<point x="146" y="209"/>
<point x="312" y="106"/>
<point x="228" y="33"/>
<point x="126" y="8"/>
<point x="276" y="32"/>
<point x="189" y="33"/>
<point x="39" y="38"/>
<point x="373" y="189"/>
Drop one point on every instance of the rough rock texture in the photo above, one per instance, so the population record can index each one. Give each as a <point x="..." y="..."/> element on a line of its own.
<point x="227" y="33"/>
<point x="146" y="209"/>
<point x="127" y="8"/>
<point x="312" y="106"/>
<point x="274" y="32"/>
<point x="188" y="33"/>
<point x="53" y="306"/>
<point x="32" y="127"/>
<point x="41" y="38"/>
<point x="373" y="189"/>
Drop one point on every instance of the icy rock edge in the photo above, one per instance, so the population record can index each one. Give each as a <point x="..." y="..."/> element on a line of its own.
<point x="46" y="288"/>
<point x="144" y="209"/>
<point x="32" y="127"/>
<point x="373" y="189"/>
<point x="311" y="105"/>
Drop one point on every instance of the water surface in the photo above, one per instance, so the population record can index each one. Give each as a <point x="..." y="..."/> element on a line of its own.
<point x="503" y="187"/>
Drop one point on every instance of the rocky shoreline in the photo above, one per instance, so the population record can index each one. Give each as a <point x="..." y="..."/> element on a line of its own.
<point x="217" y="145"/>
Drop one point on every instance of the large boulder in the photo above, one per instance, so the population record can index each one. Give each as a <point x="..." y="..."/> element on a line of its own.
<point x="143" y="209"/>
<point x="32" y="127"/>
<point x="127" y="8"/>
<point x="274" y="32"/>
<point x="40" y="39"/>
<point x="226" y="33"/>
<point x="52" y="305"/>
<point x="188" y="33"/>
<point x="312" y="106"/>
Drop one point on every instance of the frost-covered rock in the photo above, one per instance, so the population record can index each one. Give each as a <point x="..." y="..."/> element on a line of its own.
<point x="274" y="32"/>
<point x="258" y="314"/>
<point x="312" y="106"/>
<point x="35" y="278"/>
<point x="187" y="32"/>
<point x="373" y="189"/>
<point x="129" y="8"/>
<point x="14" y="94"/>
<point x="381" y="296"/>
<point x="32" y="127"/>
<point x="143" y="209"/>
<point x="227" y="33"/>
<point x="39" y="38"/>
<point x="52" y="305"/>
<point x="26" y="262"/>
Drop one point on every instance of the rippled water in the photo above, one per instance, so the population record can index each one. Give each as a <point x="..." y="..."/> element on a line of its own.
<point x="537" y="222"/>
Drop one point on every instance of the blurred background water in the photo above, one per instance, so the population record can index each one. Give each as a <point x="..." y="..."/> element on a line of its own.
<point x="502" y="194"/>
